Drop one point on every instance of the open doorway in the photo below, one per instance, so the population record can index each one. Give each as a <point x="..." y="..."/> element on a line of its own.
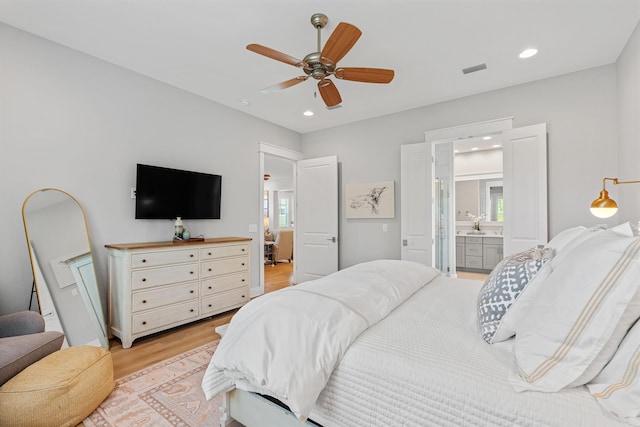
<point x="279" y="222"/>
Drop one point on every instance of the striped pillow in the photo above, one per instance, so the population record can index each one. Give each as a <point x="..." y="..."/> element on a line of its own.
<point x="617" y="386"/>
<point x="580" y="314"/>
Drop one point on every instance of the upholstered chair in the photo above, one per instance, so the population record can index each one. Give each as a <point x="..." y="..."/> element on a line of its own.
<point x="23" y="341"/>
<point x="283" y="246"/>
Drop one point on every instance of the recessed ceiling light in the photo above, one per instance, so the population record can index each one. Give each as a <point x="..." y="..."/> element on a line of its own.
<point x="486" y="138"/>
<point x="495" y="146"/>
<point x="308" y="113"/>
<point x="528" y="53"/>
<point x="474" y="149"/>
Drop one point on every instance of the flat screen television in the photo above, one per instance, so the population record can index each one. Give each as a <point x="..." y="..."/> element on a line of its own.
<point x="164" y="193"/>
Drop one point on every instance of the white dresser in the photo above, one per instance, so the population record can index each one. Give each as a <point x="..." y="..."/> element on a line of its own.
<point x="156" y="286"/>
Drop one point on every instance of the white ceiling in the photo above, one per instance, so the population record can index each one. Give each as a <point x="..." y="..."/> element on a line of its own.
<point x="199" y="46"/>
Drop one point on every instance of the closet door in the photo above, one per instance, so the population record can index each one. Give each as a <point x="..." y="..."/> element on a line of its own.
<point x="525" y="188"/>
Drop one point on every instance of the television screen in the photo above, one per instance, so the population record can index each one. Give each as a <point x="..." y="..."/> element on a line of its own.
<point x="163" y="193"/>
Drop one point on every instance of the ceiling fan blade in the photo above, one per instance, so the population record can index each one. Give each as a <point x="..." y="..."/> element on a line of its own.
<point x="292" y="82"/>
<point x="341" y="41"/>
<point x="366" y="75"/>
<point x="274" y="54"/>
<point x="329" y="93"/>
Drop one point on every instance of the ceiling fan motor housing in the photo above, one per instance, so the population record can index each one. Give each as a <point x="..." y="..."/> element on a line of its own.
<point x="317" y="66"/>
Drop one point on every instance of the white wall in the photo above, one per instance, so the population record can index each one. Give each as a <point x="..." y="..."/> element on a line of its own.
<point x="478" y="163"/>
<point x="580" y="112"/>
<point x="70" y="121"/>
<point x="628" y="72"/>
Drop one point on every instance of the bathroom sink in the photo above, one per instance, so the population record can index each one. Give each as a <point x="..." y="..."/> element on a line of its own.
<point x="476" y="232"/>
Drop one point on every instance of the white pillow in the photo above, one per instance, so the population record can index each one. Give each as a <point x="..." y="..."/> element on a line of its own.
<point x="617" y="386"/>
<point x="579" y="315"/>
<point x="561" y="239"/>
<point x="570" y="245"/>
<point x="502" y="299"/>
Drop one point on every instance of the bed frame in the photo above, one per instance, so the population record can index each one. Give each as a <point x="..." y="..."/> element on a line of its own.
<point x="253" y="410"/>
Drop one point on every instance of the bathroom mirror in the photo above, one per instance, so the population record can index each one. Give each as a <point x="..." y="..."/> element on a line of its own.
<point x="480" y="196"/>
<point x="63" y="270"/>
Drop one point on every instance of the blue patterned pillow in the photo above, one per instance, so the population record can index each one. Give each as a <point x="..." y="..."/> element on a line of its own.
<point x="504" y="286"/>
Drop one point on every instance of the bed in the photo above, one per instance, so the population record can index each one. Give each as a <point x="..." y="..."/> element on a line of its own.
<point x="396" y="343"/>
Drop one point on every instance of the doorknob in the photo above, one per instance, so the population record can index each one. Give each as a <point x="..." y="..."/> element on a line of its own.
<point x="405" y="242"/>
<point x="333" y="239"/>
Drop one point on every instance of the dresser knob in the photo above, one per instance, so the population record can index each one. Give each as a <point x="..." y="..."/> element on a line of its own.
<point x="144" y="323"/>
<point x="191" y="255"/>
<point x="144" y="280"/>
<point x="243" y="263"/>
<point x="191" y="310"/>
<point x="209" y="269"/>
<point x="242" y="249"/>
<point x="144" y="260"/>
<point x="209" y="305"/>
<point x="144" y="301"/>
<point x="191" y="272"/>
<point x="243" y="280"/>
<point x="242" y="296"/>
<point x="209" y="253"/>
<point x="209" y="287"/>
<point x="191" y="291"/>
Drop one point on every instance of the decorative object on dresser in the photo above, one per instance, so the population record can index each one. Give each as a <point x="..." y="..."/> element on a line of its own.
<point x="157" y="286"/>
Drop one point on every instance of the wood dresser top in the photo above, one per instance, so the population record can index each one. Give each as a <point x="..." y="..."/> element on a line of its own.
<point x="169" y="244"/>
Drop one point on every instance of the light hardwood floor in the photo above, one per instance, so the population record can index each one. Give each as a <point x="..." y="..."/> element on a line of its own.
<point x="163" y="345"/>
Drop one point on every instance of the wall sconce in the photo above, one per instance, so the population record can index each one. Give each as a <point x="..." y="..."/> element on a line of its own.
<point x="603" y="206"/>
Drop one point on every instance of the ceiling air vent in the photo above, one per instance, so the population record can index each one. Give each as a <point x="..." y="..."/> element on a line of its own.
<point x="475" y="68"/>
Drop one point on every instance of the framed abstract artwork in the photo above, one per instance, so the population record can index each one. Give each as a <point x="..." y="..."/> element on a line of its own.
<point x="370" y="200"/>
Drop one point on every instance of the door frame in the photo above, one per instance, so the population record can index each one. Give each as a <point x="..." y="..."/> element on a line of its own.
<point x="435" y="136"/>
<point x="265" y="148"/>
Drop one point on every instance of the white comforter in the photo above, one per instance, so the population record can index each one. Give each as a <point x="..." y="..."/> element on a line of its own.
<point x="287" y="343"/>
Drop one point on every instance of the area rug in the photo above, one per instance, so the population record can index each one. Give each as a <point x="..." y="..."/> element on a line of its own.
<point x="165" y="394"/>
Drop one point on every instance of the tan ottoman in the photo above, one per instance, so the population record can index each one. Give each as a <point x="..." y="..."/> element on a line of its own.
<point x="61" y="389"/>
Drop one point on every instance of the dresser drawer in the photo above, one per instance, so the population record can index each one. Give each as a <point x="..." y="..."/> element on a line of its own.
<point x="474" y="249"/>
<point x="474" y="240"/>
<point x="151" y="277"/>
<point x="227" y="299"/>
<point x="473" y="262"/>
<point x="151" y="259"/>
<point x="153" y="298"/>
<point x="224" y="266"/>
<point x="224" y="283"/>
<point x="224" y="251"/>
<point x="153" y="319"/>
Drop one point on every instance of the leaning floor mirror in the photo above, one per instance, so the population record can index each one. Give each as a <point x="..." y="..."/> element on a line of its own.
<point x="63" y="270"/>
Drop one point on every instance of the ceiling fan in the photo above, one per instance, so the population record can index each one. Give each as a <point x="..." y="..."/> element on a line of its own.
<point x="322" y="64"/>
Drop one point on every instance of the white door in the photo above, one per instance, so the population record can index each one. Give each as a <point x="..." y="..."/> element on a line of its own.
<point x="316" y="218"/>
<point x="525" y="188"/>
<point x="415" y="202"/>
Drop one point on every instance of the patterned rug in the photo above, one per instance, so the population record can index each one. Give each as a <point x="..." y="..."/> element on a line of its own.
<point x="165" y="394"/>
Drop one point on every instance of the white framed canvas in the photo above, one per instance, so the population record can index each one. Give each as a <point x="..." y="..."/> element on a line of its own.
<point x="370" y="200"/>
